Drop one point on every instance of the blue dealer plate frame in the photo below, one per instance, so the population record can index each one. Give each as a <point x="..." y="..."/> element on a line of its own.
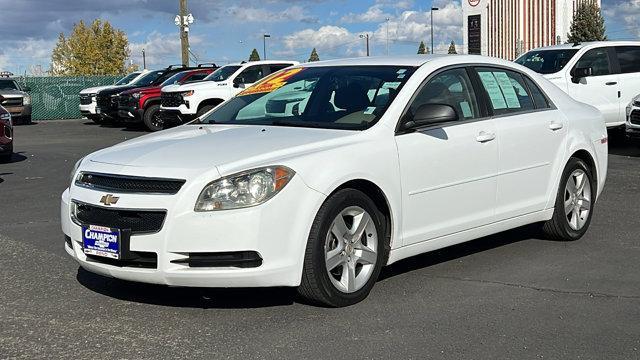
<point x="101" y="241"/>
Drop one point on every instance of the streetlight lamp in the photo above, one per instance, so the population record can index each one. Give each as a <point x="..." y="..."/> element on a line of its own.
<point x="432" y="10"/>
<point x="264" y="45"/>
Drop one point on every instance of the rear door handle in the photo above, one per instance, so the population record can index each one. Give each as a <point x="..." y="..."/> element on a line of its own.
<point x="555" y="126"/>
<point x="484" y="136"/>
<point x="611" y="83"/>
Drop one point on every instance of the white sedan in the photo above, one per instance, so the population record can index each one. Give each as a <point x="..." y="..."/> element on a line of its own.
<point x="321" y="174"/>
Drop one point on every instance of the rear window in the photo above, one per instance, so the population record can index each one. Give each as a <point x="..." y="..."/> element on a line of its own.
<point x="629" y="58"/>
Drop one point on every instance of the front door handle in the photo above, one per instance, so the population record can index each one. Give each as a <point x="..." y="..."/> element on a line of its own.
<point x="555" y="125"/>
<point x="611" y="83"/>
<point x="484" y="136"/>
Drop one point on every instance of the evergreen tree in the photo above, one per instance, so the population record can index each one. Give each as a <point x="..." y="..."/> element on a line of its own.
<point x="452" y="48"/>
<point x="314" y="56"/>
<point x="587" y="24"/>
<point x="423" y="49"/>
<point x="98" y="49"/>
<point x="254" y="56"/>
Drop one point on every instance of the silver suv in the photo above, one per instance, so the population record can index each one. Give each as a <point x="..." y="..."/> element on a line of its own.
<point x="16" y="100"/>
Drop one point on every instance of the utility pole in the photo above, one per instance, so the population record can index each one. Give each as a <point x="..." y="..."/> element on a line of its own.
<point x="144" y="60"/>
<point x="184" y="33"/>
<point x="432" y="10"/>
<point x="264" y="45"/>
<point x="387" y="20"/>
<point x="366" y="37"/>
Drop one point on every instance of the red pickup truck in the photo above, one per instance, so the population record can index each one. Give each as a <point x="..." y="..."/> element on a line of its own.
<point x="142" y="104"/>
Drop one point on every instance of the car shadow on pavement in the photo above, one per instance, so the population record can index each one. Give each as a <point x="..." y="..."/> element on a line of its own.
<point x="204" y="298"/>
<point x="15" y="158"/>
<point x="620" y="145"/>
<point x="527" y="232"/>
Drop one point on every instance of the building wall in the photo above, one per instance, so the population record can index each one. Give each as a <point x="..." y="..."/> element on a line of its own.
<point x="511" y="27"/>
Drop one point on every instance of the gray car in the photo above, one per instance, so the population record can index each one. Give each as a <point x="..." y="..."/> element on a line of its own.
<point x="16" y="100"/>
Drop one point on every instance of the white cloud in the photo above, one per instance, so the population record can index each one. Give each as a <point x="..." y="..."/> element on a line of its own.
<point x="254" y="14"/>
<point x="397" y="4"/>
<point x="373" y="14"/>
<point x="332" y="40"/>
<point x="160" y="49"/>
<point x="627" y="13"/>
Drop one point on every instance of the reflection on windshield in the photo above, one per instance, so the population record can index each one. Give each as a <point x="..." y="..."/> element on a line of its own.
<point x="223" y="73"/>
<point x="546" y="61"/>
<point x="149" y="78"/>
<point x="125" y="80"/>
<point x="334" y="97"/>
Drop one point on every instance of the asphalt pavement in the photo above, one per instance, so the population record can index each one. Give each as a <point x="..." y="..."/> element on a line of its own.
<point x="507" y="296"/>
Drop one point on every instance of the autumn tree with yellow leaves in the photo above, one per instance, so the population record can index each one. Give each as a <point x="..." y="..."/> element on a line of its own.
<point x="98" y="49"/>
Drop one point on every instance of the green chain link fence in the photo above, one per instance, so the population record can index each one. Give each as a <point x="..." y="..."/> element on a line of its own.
<point x="56" y="97"/>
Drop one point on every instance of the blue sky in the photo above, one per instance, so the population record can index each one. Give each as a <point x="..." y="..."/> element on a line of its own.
<point x="227" y="30"/>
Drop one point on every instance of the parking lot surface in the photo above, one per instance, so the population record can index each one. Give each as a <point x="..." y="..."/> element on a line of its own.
<point x="511" y="295"/>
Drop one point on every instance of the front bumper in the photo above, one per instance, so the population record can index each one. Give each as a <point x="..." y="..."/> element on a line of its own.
<point x="130" y="114"/>
<point x="276" y="230"/>
<point x="88" y="110"/>
<point x="19" y="111"/>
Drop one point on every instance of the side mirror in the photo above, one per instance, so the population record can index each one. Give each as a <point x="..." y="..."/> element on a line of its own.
<point x="238" y="82"/>
<point x="579" y="73"/>
<point x="429" y="114"/>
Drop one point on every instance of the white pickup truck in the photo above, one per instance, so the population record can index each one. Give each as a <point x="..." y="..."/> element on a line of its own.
<point x="181" y="103"/>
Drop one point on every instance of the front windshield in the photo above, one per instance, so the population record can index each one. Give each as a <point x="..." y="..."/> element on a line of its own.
<point x="546" y="61"/>
<point x="332" y="97"/>
<point x="223" y="73"/>
<point x="175" y="79"/>
<point x="125" y="80"/>
<point x="8" y="85"/>
<point x="149" y="78"/>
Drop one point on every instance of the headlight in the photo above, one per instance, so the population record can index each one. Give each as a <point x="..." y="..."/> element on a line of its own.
<point x="249" y="188"/>
<point x="187" y="93"/>
<point x="6" y="118"/>
<point x="26" y="100"/>
<point x="75" y="168"/>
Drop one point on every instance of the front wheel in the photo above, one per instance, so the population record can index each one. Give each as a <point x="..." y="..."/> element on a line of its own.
<point x="574" y="203"/>
<point x="152" y="119"/>
<point x="345" y="251"/>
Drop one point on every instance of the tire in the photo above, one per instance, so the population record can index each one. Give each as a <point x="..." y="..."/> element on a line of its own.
<point x="570" y="221"/>
<point x="205" y="109"/>
<point x="151" y="118"/>
<point x="328" y="285"/>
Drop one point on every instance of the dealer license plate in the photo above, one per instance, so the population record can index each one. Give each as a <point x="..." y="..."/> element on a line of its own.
<point x="101" y="241"/>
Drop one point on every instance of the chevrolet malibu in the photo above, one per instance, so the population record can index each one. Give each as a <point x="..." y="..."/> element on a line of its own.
<point x="321" y="174"/>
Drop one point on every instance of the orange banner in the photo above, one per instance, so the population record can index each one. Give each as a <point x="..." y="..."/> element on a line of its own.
<point x="271" y="82"/>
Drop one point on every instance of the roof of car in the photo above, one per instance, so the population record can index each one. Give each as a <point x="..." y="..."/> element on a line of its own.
<point x="588" y="43"/>
<point x="410" y="60"/>
<point x="262" y="62"/>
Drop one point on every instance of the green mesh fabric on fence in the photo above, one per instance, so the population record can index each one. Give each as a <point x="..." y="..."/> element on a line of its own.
<point x="54" y="97"/>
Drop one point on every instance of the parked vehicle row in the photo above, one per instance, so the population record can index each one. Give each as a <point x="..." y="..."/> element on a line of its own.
<point x="88" y="96"/>
<point x="321" y="174"/>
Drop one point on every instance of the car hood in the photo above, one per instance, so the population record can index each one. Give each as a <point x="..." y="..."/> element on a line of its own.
<point x="206" y="146"/>
<point x="208" y="85"/>
<point x="10" y="93"/>
<point x="95" y="89"/>
<point x="141" y="90"/>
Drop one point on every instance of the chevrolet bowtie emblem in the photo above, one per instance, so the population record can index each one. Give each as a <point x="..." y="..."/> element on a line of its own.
<point x="109" y="199"/>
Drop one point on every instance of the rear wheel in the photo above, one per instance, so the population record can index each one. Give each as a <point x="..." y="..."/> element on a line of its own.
<point x="152" y="119"/>
<point x="574" y="203"/>
<point x="345" y="250"/>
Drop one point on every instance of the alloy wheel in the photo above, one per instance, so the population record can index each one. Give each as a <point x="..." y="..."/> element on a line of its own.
<point x="577" y="199"/>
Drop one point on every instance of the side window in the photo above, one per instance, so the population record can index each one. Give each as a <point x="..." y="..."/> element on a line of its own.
<point x="538" y="97"/>
<point x="251" y="74"/>
<point x="597" y="60"/>
<point x="450" y="87"/>
<point x="506" y="90"/>
<point x="197" y="77"/>
<point x="277" y="67"/>
<point x="629" y="58"/>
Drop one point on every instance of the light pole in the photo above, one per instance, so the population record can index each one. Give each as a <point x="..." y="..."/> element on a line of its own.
<point x="432" y="10"/>
<point x="366" y="37"/>
<point x="183" y="20"/>
<point x="264" y="45"/>
<point x="144" y="59"/>
<point x="387" y="20"/>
